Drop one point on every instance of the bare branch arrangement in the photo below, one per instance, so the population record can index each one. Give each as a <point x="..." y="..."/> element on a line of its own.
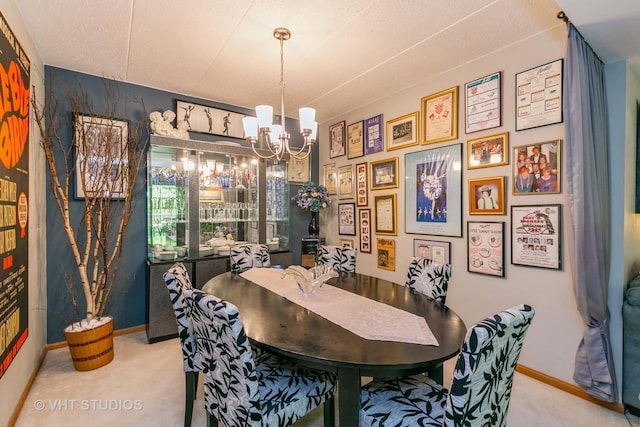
<point x="101" y="162"/>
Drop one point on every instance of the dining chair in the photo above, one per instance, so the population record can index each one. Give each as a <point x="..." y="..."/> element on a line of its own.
<point x="340" y="259"/>
<point x="429" y="278"/>
<point x="177" y="281"/>
<point x="480" y="388"/>
<point x="243" y="388"/>
<point x="244" y="257"/>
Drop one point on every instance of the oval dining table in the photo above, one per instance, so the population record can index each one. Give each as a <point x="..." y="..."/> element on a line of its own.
<point x="280" y="326"/>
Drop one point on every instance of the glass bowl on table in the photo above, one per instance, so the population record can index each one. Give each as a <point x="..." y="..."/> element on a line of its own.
<point x="310" y="281"/>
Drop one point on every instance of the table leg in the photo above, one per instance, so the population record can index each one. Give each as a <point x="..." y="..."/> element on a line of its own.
<point x="436" y="374"/>
<point x="348" y="397"/>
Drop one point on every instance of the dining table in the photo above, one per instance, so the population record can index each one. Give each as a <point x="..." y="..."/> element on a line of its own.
<point x="278" y="322"/>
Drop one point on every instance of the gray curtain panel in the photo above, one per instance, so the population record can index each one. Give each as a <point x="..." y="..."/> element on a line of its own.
<point x="587" y="199"/>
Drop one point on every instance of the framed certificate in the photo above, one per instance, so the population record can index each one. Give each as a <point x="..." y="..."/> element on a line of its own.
<point x="386" y="222"/>
<point x="539" y="96"/>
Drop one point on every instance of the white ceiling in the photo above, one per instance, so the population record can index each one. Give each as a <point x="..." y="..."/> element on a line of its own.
<point x="343" y="53"/>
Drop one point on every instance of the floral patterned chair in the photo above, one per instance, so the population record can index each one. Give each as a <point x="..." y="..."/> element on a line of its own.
<point x="338" y="258"/>
<point x="244" y="257"/>
<point x="242" y="388"/>
<point x="177" y="280"/>
<point x="429" y="278"/>
<point x="480" y="388"/>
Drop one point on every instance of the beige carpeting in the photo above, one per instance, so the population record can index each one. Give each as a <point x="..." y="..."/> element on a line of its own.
<point x="144" y="386"/>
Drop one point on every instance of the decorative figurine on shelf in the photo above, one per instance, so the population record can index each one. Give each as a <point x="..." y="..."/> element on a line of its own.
<point x="162" y="124"/>
<point x="312" y="197"/>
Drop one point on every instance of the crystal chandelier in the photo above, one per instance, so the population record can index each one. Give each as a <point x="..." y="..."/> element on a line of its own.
<point x="276" y="138"/>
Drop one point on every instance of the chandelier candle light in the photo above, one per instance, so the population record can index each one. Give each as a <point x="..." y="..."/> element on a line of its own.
<point x="261" y="128"/>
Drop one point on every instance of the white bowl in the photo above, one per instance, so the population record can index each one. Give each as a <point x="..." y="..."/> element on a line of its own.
<point x="166" y="255"/>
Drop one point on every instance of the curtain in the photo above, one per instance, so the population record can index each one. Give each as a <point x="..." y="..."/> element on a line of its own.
<point x="587" y="199"/>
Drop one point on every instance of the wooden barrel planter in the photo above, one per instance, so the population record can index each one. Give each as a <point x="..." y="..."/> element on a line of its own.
<point x="93" y="348"/>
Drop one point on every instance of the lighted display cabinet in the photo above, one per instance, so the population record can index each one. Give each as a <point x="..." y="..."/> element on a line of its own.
<point x="203" y="197"/>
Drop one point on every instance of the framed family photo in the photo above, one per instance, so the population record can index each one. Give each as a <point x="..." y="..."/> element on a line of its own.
<point x="488" y="151"/>
<point x="536" y="236"/>
<point x="436" y="251"/>
<point x="433" y="191"/>
<point x="384" y="174"/>
<point x="440" y="116"/>
<point x="403" y="131"/>
<point x="355" y="140"/>
<point x="487" y="196"/>
<point x="537" y="168"/>
<point x="365" y="230"/>
<point x="483" y="103"/>
<point x="337" y="141"/>
<point x="485" y="248"/>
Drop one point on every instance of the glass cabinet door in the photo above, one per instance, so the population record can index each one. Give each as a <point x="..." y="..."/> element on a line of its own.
<point x="277" y="200"/>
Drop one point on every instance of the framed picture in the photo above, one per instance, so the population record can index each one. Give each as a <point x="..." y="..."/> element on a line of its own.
<point x="487" y="196"/>
<point x="330" y="178"/>
<point x="355" y="140"/>
<point x="488" y="151"/>
<point x="386" y="209"/>
<point x="365" y="230"/>
<point x="347" y="218"/>
<point x="437" y="252"/>
<point x="485" y="248"/>
<point x="373" y="135"/>
<point x="386" y="254"/>
<point x="403" y="131"/>
<point x="211" y="120"/>
<point x="298" y="169"/>
<point x="535" y="236"/>
<point x="345" y="181"/>
<point x="440" y="116"/>
<point x="433" y="191"/>
<point x="483" y="103"/>
<point x="384" y="174"/>
<point x="346" y="243"/>
<point x="337" y="140"/>
<point x="536" y="168"/>
<point x="91" y="170"/>
<point x="539" y="96"/>
<point x="362" y="198"/>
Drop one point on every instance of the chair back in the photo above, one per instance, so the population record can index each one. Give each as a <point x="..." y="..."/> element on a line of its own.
<point x="482" y="379"/>
<point x="338" y="258"/>
<point x="429" y="278"/>
<point x="244" y="257"/>
<point x="177" y="281"/>
<point x="230" y="378"/>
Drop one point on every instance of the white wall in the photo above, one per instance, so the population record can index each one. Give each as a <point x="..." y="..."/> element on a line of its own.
<point x="556" y="331"/>
<point x="26" y="362"/>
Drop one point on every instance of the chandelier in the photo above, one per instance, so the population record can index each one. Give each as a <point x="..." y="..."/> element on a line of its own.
<point x="274" y="136"/>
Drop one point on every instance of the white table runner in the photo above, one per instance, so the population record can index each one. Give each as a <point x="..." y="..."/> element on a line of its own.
<point x="364" y="317"/>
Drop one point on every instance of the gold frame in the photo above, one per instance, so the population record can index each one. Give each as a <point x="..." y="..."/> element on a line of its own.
<point x="355" y="140"/>
<point x="449" y="118"/>
<point x="394" y="213"/>
<point x="472" y="144"/>
<point x="378" y="165"/>
<point x="389" y="248"/>
<point x="497" y="183"/>
<point x="415" y="131"/>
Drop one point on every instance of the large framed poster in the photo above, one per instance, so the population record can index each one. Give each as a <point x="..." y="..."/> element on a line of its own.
<point x="535" y="236"/>
<point x="539" y="96"/>
<point x="14" y="197"/>
<point x="433" y="191"/>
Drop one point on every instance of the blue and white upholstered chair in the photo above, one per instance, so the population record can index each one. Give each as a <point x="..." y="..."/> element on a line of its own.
<point x="338" y="258"/>
<point x="480" y="389"/>
<point x="244" y="257"/>
<point x="429" y="278"/>
<point x="245" y="389"/>
<point x="177" y="281"/>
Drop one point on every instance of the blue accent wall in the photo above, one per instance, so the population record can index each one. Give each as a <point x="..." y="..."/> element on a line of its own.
<point x="128" y="305"/>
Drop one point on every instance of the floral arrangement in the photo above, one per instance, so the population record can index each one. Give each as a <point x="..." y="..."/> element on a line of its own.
<point x="312" y="197"/>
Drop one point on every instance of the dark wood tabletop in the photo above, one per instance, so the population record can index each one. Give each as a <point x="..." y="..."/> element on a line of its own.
<point x="280" y="326"/>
